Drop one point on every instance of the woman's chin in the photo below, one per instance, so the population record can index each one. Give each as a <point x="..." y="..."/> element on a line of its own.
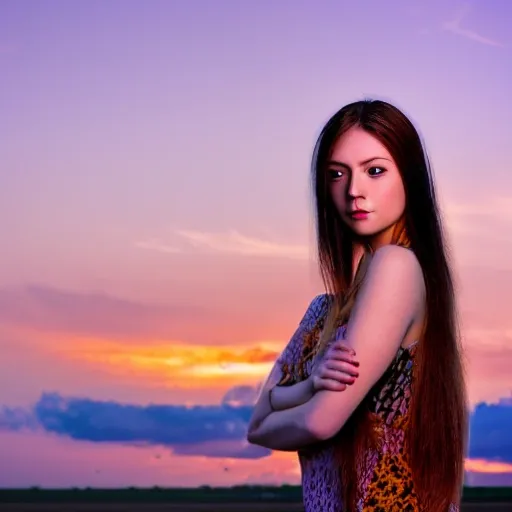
<point x="364" y="231"/>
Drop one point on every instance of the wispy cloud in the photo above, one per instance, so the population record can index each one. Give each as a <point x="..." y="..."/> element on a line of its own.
<point x="496" y="207"/>
<point x="455" y="27"/>
<point x="473" y="219"/>
<point x="231" y="242"/>
<point x="235" y="243"/>
<point x="461" y="217"/>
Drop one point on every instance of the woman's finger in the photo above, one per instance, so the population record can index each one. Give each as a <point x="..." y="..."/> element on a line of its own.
<point x="330" y="385"/>
<point x="342" y="345"/>
<point x="340" y="355"/>
<point x="341" y="366"/>
<point x="343" y="377"/>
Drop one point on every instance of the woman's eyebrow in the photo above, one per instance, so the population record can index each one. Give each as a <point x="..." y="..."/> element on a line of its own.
<point x="364" y="162"/>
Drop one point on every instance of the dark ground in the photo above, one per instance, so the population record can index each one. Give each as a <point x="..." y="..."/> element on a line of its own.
<point x="202" y="499"/>
<point x="215" y="507"/>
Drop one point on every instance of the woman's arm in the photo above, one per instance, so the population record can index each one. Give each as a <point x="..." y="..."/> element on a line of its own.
<point x="334" y="371"/>
<point x="286" y="396"/>
<point x="390" y="297"/>
<point x="273" y="397"/>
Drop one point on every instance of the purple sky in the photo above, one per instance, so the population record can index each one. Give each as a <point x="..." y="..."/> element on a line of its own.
<point x="155" y="193"/>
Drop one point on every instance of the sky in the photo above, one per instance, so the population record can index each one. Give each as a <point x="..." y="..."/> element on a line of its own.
<point x="158" y="245"/>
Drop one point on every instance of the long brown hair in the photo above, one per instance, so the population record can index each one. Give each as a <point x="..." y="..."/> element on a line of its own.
<point x="436" y="437"/>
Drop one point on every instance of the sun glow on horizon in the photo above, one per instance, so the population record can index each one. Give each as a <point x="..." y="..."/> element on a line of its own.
<point x="487" y="466"/>
<point x="176" y="363"/>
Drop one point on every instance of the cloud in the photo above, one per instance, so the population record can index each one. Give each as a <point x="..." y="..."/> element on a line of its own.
<point x="474" y="242"/>
<point x="213" y="431"/>
<point x="454" y="26"/>
<point x="175" y="364"/>
<point x="470" y="218"/>
<point x="92" y="314"/>
<point x="462" y="218"/>
<point x="183" y="359"/>
<point x="490" y="429"/>
<point x="17" y="419"/>
<point x="481" y="472"/>
<point x="486" y="466"/>
<point x="497" y="207"/>
<point x="231" y="242"/>
<point x="218" y="430"/>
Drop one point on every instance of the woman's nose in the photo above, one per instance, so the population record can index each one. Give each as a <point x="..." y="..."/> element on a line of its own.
<point x="355" y="187"/>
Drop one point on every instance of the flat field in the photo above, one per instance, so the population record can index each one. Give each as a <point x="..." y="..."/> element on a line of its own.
<point x="203" y="499"/>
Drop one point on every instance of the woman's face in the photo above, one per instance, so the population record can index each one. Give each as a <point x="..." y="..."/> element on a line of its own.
<point x="362" y="175"/>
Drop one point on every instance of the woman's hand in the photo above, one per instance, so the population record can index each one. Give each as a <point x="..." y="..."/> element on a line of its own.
<point x="336" y="370"/>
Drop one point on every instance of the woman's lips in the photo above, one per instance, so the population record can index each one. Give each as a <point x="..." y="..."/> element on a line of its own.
<point x="359" y="214"/>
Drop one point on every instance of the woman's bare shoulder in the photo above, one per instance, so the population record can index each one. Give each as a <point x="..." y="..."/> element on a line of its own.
<point x="394" y="264"/>
<point x="392" y="291"/>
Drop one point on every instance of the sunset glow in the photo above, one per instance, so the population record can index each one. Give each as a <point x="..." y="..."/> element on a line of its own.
<point x="158" y="225"/>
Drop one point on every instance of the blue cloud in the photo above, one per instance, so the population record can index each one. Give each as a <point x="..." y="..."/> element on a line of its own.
<point x="91" y="420"/>
<point x="214" y="430"/>
<point x="490" y="431"/>
<point x="17" y="419"/>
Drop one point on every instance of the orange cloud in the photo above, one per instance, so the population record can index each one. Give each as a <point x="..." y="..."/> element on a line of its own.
<point x="175" y="364"/>
<point x="487" y="466"/>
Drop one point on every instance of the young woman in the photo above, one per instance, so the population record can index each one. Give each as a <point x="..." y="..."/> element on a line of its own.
<point x="394" y="437"/>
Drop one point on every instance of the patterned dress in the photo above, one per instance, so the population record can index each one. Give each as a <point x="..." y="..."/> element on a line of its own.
<point x="386" y="482"/>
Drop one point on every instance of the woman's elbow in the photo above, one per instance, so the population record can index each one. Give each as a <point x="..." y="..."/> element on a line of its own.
<point x="319" y="428"/>
<point x="258" y="440"/>
<point x="253" y="437"/>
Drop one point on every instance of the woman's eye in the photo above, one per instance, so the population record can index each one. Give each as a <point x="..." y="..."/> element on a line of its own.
<point x="335" y="174"/>
<point x="376" y="171"/>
